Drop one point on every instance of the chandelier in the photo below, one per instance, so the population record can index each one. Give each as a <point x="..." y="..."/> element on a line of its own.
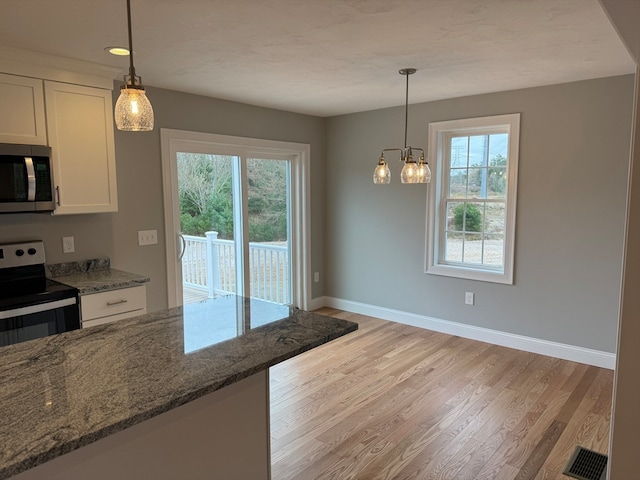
<point x="412" y="171"/>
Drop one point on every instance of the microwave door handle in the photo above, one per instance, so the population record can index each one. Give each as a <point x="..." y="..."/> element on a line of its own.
<point x="31" y="179"/>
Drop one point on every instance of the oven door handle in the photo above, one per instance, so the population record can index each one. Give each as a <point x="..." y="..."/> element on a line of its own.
<point x="31" y="179"/>
<point x="42" y="307"/>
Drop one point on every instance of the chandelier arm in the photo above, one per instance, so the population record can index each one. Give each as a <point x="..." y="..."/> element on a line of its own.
<point x="401" y="150"/>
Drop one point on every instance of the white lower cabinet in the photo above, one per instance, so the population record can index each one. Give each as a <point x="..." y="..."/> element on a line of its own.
<point x="112" y="305"/>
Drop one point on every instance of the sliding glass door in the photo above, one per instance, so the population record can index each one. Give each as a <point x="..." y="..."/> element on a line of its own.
<point x="207" y="225"/>
<point x="268" y="212"/>
<point x="234" y="213"/>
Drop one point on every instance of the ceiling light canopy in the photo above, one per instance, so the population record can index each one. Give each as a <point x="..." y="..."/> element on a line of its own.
<point x="133" y="111"/>
<point x="412" y="171"/>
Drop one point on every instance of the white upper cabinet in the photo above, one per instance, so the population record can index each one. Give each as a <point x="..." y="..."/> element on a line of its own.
<point x="22" y="118"/>
<point x="66" y="104"/>
<point x="80" y="130"/>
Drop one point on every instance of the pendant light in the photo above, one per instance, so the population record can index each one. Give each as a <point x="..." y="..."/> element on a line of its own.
<point x="133" y="111"/>
<point x="412" y="171"/>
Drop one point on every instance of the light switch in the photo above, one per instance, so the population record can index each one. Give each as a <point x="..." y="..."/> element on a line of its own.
<point x="147" y="237"/>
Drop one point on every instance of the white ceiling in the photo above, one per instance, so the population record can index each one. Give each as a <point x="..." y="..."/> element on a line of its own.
<point x="329" y="57"/>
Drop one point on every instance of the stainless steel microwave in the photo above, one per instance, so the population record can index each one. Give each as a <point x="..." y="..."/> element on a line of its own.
<point x="26" y="178"/>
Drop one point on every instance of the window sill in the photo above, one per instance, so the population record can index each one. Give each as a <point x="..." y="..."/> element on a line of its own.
<point x="470" y="274"/>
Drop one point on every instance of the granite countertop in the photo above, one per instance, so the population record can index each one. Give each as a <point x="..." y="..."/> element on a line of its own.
<point x="93" y="276"/>
<point x="102" y="280"/>
<point x="65" y="391"/>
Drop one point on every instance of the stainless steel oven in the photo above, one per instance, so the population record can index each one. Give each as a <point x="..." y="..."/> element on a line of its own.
<point x="31" y="305"/>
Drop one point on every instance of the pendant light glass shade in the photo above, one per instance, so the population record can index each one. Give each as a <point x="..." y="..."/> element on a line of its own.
<point x="382" y="174"/>
<point x="409" y="172"/>
<point x="412" y="172"/>
<point x="424" y="172"/>
<point x="133" y="111"/>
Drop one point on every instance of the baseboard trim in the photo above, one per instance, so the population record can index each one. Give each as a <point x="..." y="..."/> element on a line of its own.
<point x="528" y="344"/>
<point x="317" y="303"/>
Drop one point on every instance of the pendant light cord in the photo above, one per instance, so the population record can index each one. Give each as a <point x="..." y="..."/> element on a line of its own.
<point x="406" y="109"/>
<point x="132" y="70"/>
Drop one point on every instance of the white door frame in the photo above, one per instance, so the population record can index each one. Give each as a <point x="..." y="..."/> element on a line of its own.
<point x="174" y="141"/>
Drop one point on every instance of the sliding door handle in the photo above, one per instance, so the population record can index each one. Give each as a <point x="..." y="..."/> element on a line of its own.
<point x="183" y="243"/>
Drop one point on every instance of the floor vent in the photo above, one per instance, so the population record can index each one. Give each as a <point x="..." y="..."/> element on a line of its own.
<point x="585" y="464"/>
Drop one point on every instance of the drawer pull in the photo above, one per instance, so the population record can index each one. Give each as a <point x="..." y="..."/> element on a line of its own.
<point x="119" y="302"/>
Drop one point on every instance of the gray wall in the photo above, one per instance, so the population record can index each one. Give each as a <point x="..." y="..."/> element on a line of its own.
<point x="574" y="156"/>
<point x="571" y="198"/>
<point x="140" y="198"/>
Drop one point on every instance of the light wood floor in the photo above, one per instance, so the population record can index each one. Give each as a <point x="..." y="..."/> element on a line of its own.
<point x="392" y="401"/>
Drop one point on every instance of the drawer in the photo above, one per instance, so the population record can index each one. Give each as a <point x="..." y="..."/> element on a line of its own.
<point x="112" y="318"/>
<point x="113" y="302"/>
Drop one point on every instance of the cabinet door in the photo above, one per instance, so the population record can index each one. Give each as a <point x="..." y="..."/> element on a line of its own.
<point x="80" y="128"/>
<point x="22" y="118"/>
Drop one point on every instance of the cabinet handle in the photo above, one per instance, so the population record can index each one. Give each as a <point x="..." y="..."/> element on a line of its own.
<point x="119" y="302"/>
<point x="58" y="195"/>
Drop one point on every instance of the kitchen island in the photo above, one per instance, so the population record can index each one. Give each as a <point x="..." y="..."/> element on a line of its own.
<point x="181" y="393"/>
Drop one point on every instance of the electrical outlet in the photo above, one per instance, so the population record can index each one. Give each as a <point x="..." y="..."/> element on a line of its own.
<point x="147" y="237"/>
<point x="316" y="277"/>
<point x="68" y="245"/>
<point x="469" y="298"/>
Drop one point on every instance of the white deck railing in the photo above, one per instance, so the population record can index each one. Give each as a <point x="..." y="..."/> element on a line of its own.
<point x="208" y="264"/>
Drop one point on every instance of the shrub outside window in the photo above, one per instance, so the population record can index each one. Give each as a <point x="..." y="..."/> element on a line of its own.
<point x="472" y="199"/>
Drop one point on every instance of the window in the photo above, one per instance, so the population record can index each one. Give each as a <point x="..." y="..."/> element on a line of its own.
<point x="472" y="198"/>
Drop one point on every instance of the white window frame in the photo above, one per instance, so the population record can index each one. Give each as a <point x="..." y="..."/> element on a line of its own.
<point x="436" y="220"/>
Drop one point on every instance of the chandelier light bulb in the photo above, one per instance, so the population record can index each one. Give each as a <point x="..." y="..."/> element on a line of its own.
<point x="382" y="174"/>
<point x="409" y="172"/>
<point x="424" y="172"/>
